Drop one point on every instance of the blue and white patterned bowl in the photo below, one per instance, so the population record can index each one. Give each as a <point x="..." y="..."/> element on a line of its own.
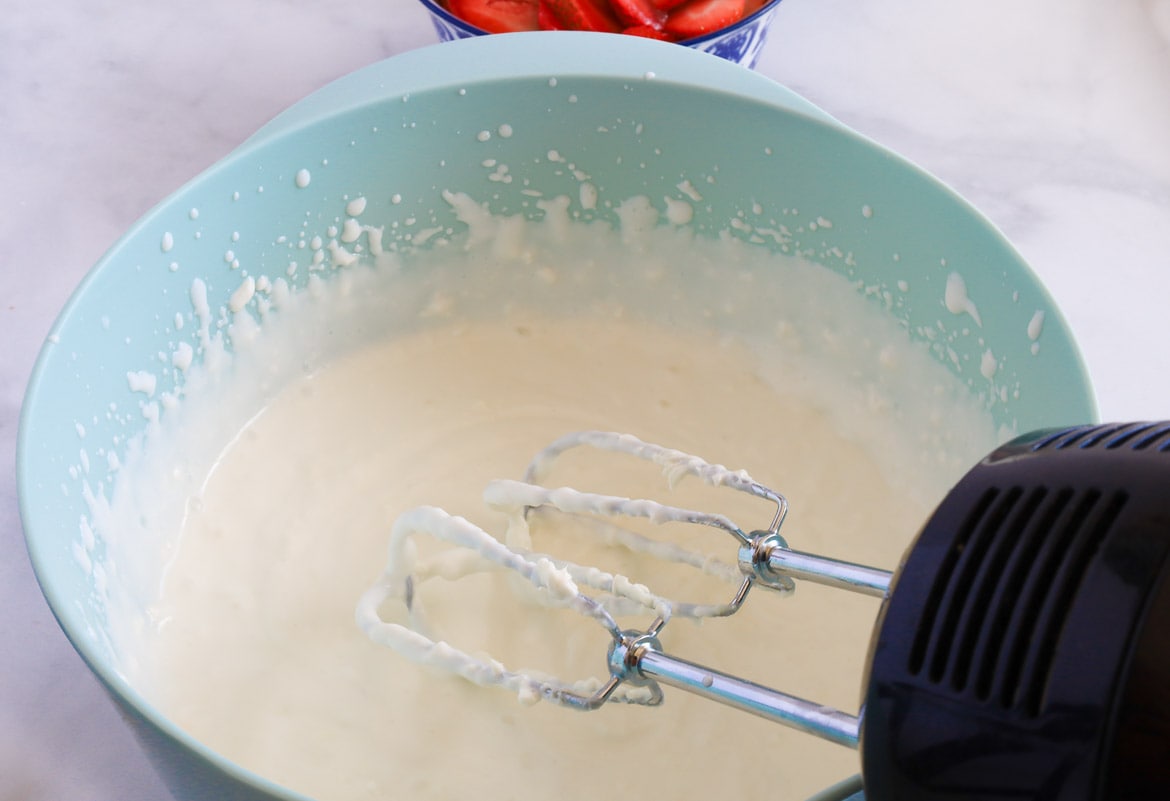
<point x="740" y="43"/>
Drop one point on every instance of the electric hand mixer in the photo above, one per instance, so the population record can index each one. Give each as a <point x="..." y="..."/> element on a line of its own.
<point x="1022" y="649"/>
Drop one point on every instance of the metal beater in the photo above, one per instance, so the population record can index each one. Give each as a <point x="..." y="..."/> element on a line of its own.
<point x="1022" y="649"/>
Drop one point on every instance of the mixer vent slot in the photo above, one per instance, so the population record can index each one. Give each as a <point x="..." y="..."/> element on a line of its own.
<point x="1137" y="436"/>
<point x="999" y="601"/>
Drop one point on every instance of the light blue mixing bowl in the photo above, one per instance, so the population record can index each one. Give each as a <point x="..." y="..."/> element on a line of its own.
<point x="639" y="121"/>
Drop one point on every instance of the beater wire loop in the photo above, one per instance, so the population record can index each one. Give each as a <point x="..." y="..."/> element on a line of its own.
<point x="476" y="552"/>
<point x="674" y="464"/>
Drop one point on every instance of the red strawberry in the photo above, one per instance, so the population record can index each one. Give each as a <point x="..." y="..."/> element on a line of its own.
<point x="638" y="12"/>
<point x="697" y="17"/>
<point x="585" y="15"/>
<point x="668" y="5"/>
<point x="497" y="16"/>
<point x="647" y="32"/>
<point x="546" y="19"/>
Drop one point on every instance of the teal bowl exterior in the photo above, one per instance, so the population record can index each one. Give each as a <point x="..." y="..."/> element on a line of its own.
<point x="401" y="131"/>
<point x="740" y="43"/>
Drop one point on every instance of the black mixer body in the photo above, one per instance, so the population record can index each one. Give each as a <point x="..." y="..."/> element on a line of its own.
<point x="1024" y="650"/>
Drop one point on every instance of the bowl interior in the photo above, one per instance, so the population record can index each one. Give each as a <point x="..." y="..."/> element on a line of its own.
<point x="659" y="121"/>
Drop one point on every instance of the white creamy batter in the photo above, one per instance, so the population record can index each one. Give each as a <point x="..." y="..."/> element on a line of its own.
<point x="309" y="446"/>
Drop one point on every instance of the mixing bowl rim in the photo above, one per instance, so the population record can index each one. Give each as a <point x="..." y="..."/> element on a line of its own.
<point x="512" y="56"/>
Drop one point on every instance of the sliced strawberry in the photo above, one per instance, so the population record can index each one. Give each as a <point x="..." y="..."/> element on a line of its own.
<point x="646" y="32"/>
<point x="585" y="15"/>
<point x="546" y="19"/>
<point x="638" y="12"/>
<point x="497" y="16"/>
<point x="668" y="5"/>
<point x="698" y="17"/>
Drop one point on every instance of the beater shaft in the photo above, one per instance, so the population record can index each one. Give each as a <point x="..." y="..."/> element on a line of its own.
<point x="768" y="557"/>
<point x="637" y="658"/>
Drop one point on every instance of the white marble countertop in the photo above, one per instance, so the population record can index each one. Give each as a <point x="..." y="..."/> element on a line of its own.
<point x="1052" y="116"/>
